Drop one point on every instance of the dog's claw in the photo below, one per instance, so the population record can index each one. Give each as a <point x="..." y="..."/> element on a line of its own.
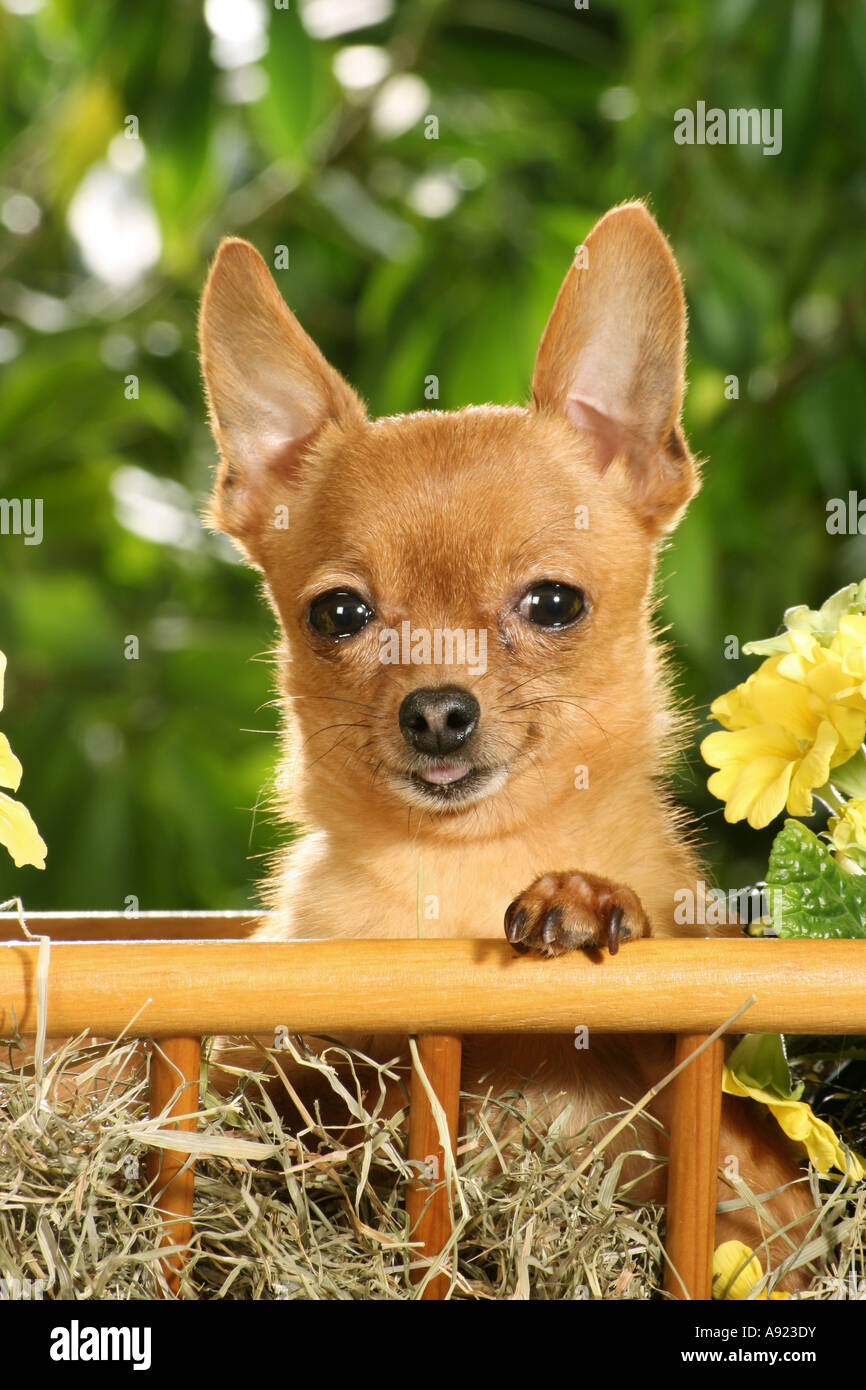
<point x="572" y="912"/>
<point x="515" y="922"/>
<point x="552" y="920"/>
<point x="613" y="929"/>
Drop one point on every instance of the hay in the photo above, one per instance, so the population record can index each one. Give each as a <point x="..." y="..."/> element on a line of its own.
<point x="315" y="1212"/>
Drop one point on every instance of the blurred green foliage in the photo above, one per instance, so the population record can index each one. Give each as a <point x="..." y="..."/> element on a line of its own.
<point x="408" y="255"/>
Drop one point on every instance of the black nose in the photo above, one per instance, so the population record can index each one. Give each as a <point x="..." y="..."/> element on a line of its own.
<point x="438" y="719"/>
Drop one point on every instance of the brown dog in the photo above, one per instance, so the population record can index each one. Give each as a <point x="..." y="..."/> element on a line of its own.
<point x="468" y="669"/>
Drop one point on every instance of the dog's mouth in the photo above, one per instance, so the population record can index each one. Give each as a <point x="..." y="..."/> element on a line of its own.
<point x="442" y="784"/>
<point x="443" y="775"/>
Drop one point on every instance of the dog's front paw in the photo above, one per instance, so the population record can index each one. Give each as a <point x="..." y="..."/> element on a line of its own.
<point x="572" y="911"/>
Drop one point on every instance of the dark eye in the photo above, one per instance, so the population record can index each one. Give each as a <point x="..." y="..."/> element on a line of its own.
<point x="552" y="605"/>
<point x="339" y="613"/>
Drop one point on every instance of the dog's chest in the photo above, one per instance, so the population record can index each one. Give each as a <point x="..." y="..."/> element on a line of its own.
<point x="439" y="891"/>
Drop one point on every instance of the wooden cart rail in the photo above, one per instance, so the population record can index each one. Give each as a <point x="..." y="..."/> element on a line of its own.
<point x="185" y="976"/>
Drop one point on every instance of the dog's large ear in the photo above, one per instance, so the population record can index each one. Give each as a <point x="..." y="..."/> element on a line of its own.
<point x="611" y="360"/>
<point x="268" y="387"/>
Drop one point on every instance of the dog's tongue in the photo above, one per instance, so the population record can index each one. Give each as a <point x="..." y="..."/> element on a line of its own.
<point x="441" y="776"/>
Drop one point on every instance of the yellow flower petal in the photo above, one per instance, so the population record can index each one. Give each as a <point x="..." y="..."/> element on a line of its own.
<point x="742" y="707"/>
<point x="851" y="634"/>
<point x="761" y="792"/>
<point x="826" y="674"/>
<point x="734" y="710"/>
<point x="853" y="697"/>
<point x="10" y="768"/>
<point x="812" y="770"/>
<point x="800" y="1123"/>
<point x="803" y="643"/>
<point x="19" y="834"/>
<point x="736" y="1271"/>
<point x="722" y="783"/>
<point x="744" y="744"/>
<point x="783" y="702"/>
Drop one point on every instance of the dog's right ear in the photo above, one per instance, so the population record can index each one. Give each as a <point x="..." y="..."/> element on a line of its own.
<point x="269" y="390"/>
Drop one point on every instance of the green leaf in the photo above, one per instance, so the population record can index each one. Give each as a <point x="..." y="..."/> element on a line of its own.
<point x="850" y="777"/>
<point x="760" y="1060"/>
<point x="810" y="894"/>
<point x="301" y="89"/>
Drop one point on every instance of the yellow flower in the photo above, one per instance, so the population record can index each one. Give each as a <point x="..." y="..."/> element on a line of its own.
<point x="849" y="828"/>
<point x="799" y="1122"/>
<point x="836" y="673"/>
<point x="17" y="829"/>
<point x="849" y="645"/>
<point x="785" y="733"/>
<point x="822" y="623"/>
<point x="764" y="770"/>
<point x="19" y="834"/>
<point x="10" y="768"/>
<point x="731" y="1259"/>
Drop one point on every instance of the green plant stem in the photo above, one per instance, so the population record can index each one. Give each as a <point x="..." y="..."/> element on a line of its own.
<point x="830" y="798"/>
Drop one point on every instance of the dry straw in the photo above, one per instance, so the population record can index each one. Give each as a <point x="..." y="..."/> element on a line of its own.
<point x="309" y="1213"/>
<point x="309" y="1209"/>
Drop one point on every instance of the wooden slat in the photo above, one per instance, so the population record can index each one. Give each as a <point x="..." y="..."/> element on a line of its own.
<point x="174" y="1077"/>
<point x="144" y="926"/>
<point x="434" y="986"/>
<point x="693" y="1169"/>
<point x="427" y="1200"/>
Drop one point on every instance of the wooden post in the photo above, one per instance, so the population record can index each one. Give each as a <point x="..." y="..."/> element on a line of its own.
<point x="174" y="1072"/>
<point x="693" y="1170"/>
<point x="427" y="1200"/>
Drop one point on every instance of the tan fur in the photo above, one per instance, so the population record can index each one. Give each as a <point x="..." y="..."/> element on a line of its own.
<point x="445" y="520"/>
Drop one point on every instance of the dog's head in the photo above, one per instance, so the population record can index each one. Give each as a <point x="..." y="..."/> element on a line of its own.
<point x="464" y="596"/>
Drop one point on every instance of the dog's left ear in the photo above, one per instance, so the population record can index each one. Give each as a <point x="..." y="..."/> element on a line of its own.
<point x="611" y="360"/>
